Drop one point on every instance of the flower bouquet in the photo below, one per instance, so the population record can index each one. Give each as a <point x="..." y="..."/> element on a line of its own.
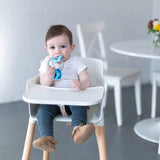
<point x="154" y="27"/>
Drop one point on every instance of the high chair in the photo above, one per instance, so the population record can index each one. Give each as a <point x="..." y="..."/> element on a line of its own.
<point x="94" y="96"/>
<point x="92" y="44"/>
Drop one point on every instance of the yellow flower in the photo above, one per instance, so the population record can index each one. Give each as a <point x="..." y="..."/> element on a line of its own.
<point x="157" y="27"/>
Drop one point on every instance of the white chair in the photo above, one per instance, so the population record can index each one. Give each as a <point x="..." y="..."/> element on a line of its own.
<point x="94" y="96"/>
<point x="90" y="36"/>
<point x="156" y="79"/>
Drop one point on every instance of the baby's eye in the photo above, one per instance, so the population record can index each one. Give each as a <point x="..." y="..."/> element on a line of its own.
<point x="52" y="47"/>
<point x="63" y="46"/>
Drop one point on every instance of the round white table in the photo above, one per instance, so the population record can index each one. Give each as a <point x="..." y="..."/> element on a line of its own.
<point x="136" y="48"/>
<point x="148" y="129"/>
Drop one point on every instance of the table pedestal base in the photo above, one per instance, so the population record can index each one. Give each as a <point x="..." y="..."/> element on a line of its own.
<point x="148" y="129"/>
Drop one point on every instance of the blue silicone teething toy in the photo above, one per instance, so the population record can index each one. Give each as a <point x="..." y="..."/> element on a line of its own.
<point x="58" y="73"/>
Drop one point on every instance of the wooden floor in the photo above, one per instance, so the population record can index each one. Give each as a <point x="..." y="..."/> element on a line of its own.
<point x="122" y="142"/>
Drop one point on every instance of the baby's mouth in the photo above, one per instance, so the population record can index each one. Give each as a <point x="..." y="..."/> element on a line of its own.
<point x="58" y="55"/>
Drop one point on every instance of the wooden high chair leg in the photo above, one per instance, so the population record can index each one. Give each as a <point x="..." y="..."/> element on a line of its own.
<point x="28" y="141"/>
<point x="45" y="155"/>
<point x="101" y="142"/>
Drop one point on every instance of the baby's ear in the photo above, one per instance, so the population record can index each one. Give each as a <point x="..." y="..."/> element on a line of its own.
<point x="73" y="46"/>
<point x="46" y="47"/>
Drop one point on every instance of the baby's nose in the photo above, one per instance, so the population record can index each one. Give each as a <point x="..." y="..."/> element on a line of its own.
<point x="57" y="50"/>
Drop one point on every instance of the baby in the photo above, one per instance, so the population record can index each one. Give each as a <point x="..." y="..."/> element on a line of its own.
<point x="74" y="74"/>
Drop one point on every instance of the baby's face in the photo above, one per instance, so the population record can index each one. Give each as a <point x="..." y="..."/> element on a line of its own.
<point x="59" y="45"/>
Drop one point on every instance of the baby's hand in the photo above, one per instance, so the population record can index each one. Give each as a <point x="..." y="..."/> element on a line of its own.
<point x="76" y="84"/>
<point x="51" y="71"/>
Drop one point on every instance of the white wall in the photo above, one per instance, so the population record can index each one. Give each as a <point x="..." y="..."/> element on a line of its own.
<point x="23" y="24"/>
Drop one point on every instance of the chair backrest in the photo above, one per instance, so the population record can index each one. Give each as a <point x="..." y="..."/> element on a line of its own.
<point x="91" y="41"/>
<point x="95" y="70"/>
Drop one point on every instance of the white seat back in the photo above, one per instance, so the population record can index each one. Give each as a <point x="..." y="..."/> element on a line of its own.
<point x="91" y="41"/>
<point x="95" y="70"/>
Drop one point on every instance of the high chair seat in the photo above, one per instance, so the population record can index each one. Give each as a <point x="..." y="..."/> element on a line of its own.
<point x="66" y="96"/>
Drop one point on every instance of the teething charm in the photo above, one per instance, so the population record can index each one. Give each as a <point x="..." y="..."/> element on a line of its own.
<point x="58" y="73"/>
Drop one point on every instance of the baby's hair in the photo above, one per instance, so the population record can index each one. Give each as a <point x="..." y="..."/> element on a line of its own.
<point x="57" y="30"/>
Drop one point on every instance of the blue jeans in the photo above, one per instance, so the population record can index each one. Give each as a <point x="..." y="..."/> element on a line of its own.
<point x="46" y="114"/>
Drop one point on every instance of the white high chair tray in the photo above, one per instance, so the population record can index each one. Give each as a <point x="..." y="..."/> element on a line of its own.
<point x="39" y="94"/>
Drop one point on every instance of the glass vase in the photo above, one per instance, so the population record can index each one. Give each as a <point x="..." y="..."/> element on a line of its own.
<point x="156" y="43"/>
